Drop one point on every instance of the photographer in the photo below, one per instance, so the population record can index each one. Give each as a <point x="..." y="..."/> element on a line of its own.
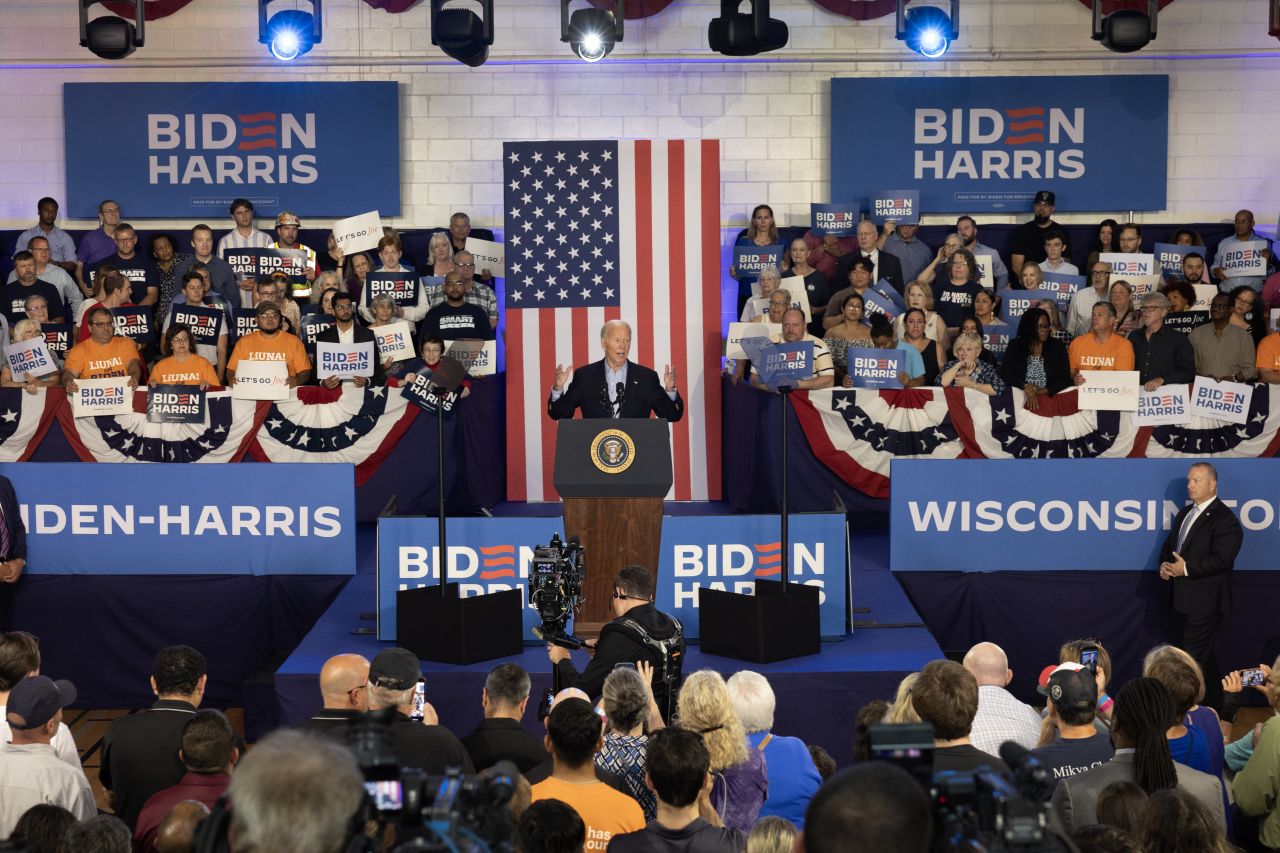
<point x="623" y="641"/>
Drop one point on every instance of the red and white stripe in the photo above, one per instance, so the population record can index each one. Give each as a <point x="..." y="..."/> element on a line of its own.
<point x="669" y="204"/>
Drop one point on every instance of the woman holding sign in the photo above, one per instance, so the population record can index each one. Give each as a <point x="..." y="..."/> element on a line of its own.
<point x="851" y="332"/>
<point x="967" y="370"/>
<point x="383" y="309"/>
<point x="763" y="231"/>
<point x="26" y="330"/>
<point x="913" y="334"/>
<point x="184" y="367"/>
<point x="193" y="292"/>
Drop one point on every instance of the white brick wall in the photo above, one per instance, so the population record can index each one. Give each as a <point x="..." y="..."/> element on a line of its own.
<point x="662" y="82"/>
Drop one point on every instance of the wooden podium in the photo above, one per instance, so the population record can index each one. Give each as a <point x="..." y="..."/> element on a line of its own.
<point x="612" y="475"/>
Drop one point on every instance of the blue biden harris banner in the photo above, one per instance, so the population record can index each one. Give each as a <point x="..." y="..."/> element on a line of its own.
<point x="990" y="143"/>
<point x="109" y="519"/>
<point x="723" y="552"/>
<point x="1039" y="515"/>
<point x="185" y="150"/>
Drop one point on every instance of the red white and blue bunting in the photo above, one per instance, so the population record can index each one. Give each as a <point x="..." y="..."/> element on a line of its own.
<point x="360" y="426"/>
<point x="857" y="433"/>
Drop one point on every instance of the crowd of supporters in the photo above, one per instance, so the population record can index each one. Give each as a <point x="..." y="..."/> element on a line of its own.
<point x="57" y="284"/>
<point x="1144" y="767"/>
<point x="954" y="330"/>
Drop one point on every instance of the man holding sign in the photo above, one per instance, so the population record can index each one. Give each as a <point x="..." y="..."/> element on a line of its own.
<point x="793" y="330"/>
<point x="104" y="355"/>
<point x="270" y="343"/>
<point x="1230" y="279"/>
<point x="345" y="330"/>
<point x="1100" y="348"/>
<point x="1163" y="356"/>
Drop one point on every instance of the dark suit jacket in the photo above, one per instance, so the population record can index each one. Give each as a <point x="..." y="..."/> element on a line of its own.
<point x="1076" y="797"/>
<point x="1210" y="551"/>
<point x="12" y="522"/>
<point x="888" y="268"/>
<point x="644" y="394"/>
<point x="361" y="335"/>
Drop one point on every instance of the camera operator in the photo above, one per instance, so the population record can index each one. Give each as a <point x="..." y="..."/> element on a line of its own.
<point x="623" y="641"/>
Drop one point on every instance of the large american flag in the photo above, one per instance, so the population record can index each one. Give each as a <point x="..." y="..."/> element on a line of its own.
<point x="599" y="231"/>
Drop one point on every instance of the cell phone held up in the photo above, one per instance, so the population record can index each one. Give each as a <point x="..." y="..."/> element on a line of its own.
<point x="419" y="701"/>
<point x="1252" y="677"/>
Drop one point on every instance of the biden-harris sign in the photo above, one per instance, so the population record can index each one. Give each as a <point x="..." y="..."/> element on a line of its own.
<point x="185" y="150"/>
<point x="990" y="143"/>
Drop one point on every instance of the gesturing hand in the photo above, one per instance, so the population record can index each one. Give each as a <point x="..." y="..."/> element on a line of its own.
<point x="562" y="377"/>
<point x="668" y="379"/>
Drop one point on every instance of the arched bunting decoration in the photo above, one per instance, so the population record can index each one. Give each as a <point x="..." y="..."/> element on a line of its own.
<point x="1110" y="6"/>
<point x="633" y="9"/>
<point x="152" y="10"/>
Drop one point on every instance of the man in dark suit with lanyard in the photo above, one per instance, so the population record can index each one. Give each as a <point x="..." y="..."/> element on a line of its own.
<point x="615" y="387"/>
<point x="13" y="548"/>
<point x="1197" y="559"/>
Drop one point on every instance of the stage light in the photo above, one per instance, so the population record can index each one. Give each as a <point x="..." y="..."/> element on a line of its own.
<point x="591" y="33"/>
<point x="291" y="32"/>
<point x="736" y="33"/>
<point x="111" y="37"/>
<point x="928" y="30"/>
<point x="461" y="34"/>
<point x="1125" y="30"/>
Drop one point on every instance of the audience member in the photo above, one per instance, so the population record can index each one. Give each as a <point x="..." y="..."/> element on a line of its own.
<point x="772" y="834"/>
<point x="950" y="245"/>
<point x="287" y="224"/>
<point x="859" y="281"/>
<point x="103" y="833"/>
<point x="345" y="330"/>
<point x="741" y="783"/>
<point x="851" y="332"/>
<point x="1142" y="713"/>
<point x="543" y="771"/>
<point x="1246" y="314"/>
<point x="456" y="318"/>
<point x="13" y="296"/>
<point x="1080" y="312"/>
<point x="1222" y="351"/>
<point x="628" y="706"/>
<point x="1054" y="262"/>
<point x="1100" y="348"/>
<point x="886" y="266"/>
<point x="99" y="243"/>
<point x="243" y="235"/>
<point x="946" y="697"/>
<point x="344" y="685"/>
<point x="793" y="330"/>
<point x="1128" y="315"/>
<point x="61" y="246"/>
<point x="871" y="714"/>
<point x="1257" y="785"/>
<point x="901" y="242"/>
<point x="816" y="288"/>
<point x="1130" y="238"/>
<point x="1072" y="652"/>
<point x="1121" y="805"/>
<point x="112" y="292"/>
<point x="953" y="297"/>
<point x="792" y="778"/>
<point x="500" y="735"/>
<point x="1161" y="355"/>
<point x="43" y="828"/>
<point x="1105" y="839"/>
<point x="1176" y="822"/>
<point x="393" y="677"/>
<point x="985" y="308"/>
<point x="1077" y="745"/>
<point x="294" y="792"/>
<point x="901" y="710"/>
<point x="1035" y="361"/>
<point x="209" y="754"/>
<point x="1239" y="751"/>
<point x="271" y="343"/>
<point x="573" y="738"/>
<point x="30" y="771"/>
<point x="1027" y="243"/>
<point x="823" y="761"/>
<point x="168" y="263"/>
<point x="871" y="806"/>
<point x="137" y="269"/>
<point x="104" y="355"/>
<point x="968" y="370"/>
<point x="1244" y="233"/>
<point x="177" y="831"/>
<point x="967" y="230"/>
<point x="932" y="353"/>
<point x="551" y="826"/>
<point x="140" y="751"/>
<point x="221" y="276"/>
<point x="678" y="773"/>
<point x="1195" y="732"/>
<point x="1181" y="296"/>
<point x="1105" y="240"/>
<point x="1000" y="716"/>
<point x="53" y="274"/>
<point x="19" y="658"/>
<point x="769" y="280"/>
<point x="920" y="296"/>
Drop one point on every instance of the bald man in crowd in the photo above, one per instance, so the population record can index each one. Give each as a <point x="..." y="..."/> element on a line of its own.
<point x="1000" y="717"/>
<point x="343" y="687"/>
<point x="179" y="827"/>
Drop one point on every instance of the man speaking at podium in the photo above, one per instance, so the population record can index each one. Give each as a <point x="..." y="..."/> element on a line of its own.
<point x="615" y="387"/>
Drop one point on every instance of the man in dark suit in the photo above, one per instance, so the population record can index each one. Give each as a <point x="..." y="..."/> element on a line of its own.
<point x="13" y="547"/>
<point x="887" y="267"/>
<point x="1197" y="560"/>
<point x="615" y="387"/>
<point x="346" y="330"/>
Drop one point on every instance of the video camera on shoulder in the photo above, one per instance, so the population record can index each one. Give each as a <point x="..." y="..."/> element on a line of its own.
<point x="555" y="589"/>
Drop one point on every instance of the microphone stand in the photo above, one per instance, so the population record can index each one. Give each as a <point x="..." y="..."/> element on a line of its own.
<point x="444" y="547"/>
<point x="785" y="392"/>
